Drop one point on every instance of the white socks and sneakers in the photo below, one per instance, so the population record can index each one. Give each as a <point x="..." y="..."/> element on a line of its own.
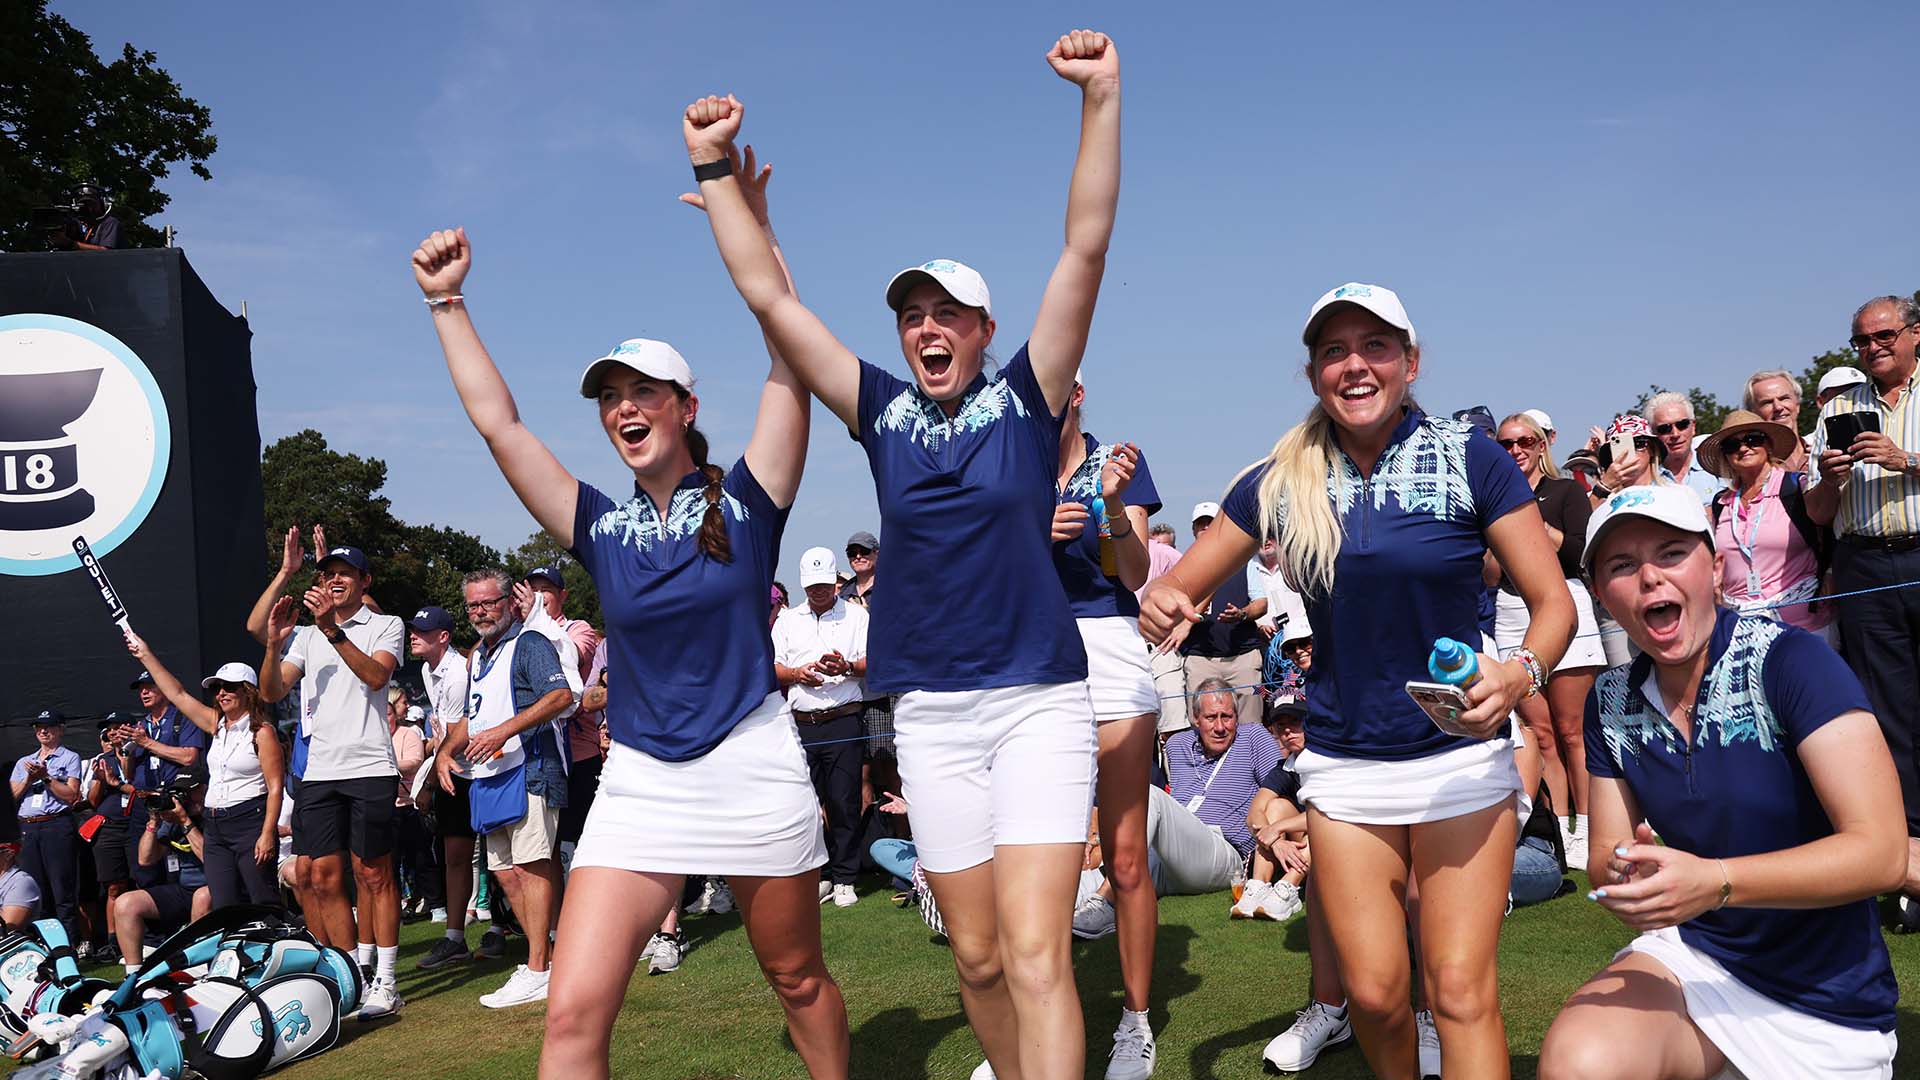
<point x="1132" y="1056"/>
<point x="1316" y="1028"/>
<point x="382" y="995"/>
<point x="1575" y="841"/>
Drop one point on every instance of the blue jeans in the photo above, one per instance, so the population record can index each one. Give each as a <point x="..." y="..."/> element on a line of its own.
<point x="896" y="857"/>
<point x="1536" y="873"/>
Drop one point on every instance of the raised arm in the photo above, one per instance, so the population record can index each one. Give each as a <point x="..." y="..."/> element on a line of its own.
<point x="203" y="716"/>
<point x="777" y="452"/>
<point x="823" y="365"/>
<point x="1089" y="60"/>
<point x="290" y="560"/>
<point x="545" y="487"/>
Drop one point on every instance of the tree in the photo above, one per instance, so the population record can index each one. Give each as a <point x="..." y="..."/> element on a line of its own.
<point x="307" y="483"/>
<point x="540" y="549"/>
<point x="66" y="116"/>
<point x="1708" y="413"/>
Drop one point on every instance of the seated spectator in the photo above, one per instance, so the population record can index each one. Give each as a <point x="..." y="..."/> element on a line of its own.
<point x="1289" y="658"/>
<point x="1278" y="821"/>
<point x="172" y="839"/>
<point x="1773" y="551"/>
<point x="1540" y="852"/>
<point x="1197" y="836"/>
<point x="19" y="895"/>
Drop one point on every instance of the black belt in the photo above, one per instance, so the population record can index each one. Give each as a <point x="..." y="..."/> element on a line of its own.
<point x="42" y="818"/>
<point x="258" y="802"/>
<point x="1905" y="542"/>
<point x="802" y="716"/>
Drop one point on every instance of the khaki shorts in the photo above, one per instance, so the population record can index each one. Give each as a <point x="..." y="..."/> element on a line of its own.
<point x="528" y="840"/>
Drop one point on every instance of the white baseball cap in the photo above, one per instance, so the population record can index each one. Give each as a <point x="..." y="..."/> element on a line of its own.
<point x="1840" y="378"/>
<point x="961" y="281"/>
<point x="1673" y="505"/>
<point x="654" y="359"/>
<point x="818" y="568"/>
<point x="1541" y="418"/>
<point x="1204" y="510"/>
<point x="232" y="673"/>
<point x="1380" y="300"/>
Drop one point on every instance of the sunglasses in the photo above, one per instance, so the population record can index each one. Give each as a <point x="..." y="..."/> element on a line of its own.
<point x="229" y="687"/>
<point x="1524" y="442"/>
<point x="859" y="553"/>
<point x="1879" y="339"/>
<point x="1678" y="425"/>
<point x="1605" y="453"/>
<point x="1752" y="440"/>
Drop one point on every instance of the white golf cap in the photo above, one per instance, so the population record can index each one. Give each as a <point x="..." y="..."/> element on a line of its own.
<point x="1840" y="378"/>
<point x="654" y="359"/>
<point x="1541" y="418"/>
<point x="1674" y="505"/>
<point x="818" y="568"/>
<point x="1382" y="301"/>
<point x="232" y="673"/>
<point x="1204" y="510"/>
<point x="961" y="281"/>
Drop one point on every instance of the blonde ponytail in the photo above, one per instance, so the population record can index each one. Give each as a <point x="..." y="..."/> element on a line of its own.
<point x="1295" y="507"/>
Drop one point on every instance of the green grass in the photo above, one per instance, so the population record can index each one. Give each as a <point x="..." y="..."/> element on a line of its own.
<point x="1221" y="990"/>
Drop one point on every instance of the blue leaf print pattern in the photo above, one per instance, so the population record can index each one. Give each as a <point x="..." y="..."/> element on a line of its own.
<point x="636" y="523"/>
<point x="921" y="419"/>
<point x="1084" y="484"/>
<point x="1736" y="708"/>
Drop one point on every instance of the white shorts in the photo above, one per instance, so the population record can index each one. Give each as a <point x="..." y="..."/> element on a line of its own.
<point x="981" y="768"/>
<point x="1511" y="619"/>
<point x="1119" y="679"/>
<point x="744" y="808"/>
<point x="1762" y="1038"/>
<point x="525" y="841"/>
<point x="1446" y="785"/>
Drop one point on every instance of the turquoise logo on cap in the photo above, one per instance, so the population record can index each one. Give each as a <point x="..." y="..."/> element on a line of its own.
<point x="1631" y="497"/>
<point x="1345" y="291"/>
<point x="941" y="266"/>
<point x="628" y="348"/>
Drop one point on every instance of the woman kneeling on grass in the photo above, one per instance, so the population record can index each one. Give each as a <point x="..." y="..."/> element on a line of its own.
<point x="1743" y="830"/>
<point x="705" y="775"/>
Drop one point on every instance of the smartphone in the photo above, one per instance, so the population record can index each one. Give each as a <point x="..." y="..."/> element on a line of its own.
<point x="1616" y="448"/>
<point x="1442" y="702"/>
<point x="1843" y="428"/>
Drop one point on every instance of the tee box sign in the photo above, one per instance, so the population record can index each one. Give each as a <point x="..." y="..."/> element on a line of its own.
<point x="84" y="442"/>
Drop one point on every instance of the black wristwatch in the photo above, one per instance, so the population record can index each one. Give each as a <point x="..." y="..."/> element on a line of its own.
<point x="336" y="637"/>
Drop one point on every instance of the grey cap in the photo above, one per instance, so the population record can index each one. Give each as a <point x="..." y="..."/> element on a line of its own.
<point x="864" y="539"/>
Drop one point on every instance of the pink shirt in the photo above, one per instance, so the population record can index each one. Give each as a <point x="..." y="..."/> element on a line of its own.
<point x="408" y="753"/>
<point x="1160" y="559"/>
<point x="1780" y="558"/>
<point x="583" y="727"/>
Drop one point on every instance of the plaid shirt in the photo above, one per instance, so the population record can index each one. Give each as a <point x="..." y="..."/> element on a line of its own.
<point x="1875" y="501"/>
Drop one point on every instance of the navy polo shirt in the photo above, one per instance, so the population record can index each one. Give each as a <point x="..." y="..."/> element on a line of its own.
<point x="966" y="505"/>
<point x="1408" y="573"/>
<point x="1091" y="594"/>
<point x="1740" y="789"/>
<point x="691" y="654"/>
<point x="151" y="772"/>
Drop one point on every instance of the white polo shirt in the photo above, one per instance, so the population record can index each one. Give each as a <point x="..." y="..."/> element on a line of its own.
<point x="800" y="637"/>
<point x="446" y="690"/>
<point x="345" y="719"/>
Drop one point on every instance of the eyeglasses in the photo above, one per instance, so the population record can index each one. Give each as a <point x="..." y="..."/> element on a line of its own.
<point x="482" y="605"/>
<point x="1879" y="339"/>
<point x="1681" y="424"/>
<point x="227" y="687"/>
<point x="1524" y="442"/>
<point x="1752" y="440"/>
<point x="859" y="553"/>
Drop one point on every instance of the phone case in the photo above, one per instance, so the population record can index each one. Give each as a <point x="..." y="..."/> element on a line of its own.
<point x="1442" y="703"/>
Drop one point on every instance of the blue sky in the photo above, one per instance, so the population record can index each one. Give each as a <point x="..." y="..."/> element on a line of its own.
<point x="1574" y="203"/>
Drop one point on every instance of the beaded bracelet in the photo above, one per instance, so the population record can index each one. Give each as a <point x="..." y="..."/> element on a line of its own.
<point x="1536" y="675"/>
<point x="441" y="301"/>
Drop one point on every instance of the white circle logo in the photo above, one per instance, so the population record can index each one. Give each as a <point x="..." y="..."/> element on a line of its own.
<point x="84" y="442"/>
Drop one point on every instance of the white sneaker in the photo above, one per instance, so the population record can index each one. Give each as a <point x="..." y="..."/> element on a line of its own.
<point x="983" y="1071"/>
<point x="1250" y="896"/>
<point x="844" y="896"/>
<point x="1315" y="1029"/>
<point x="480" y="914"/>
<point x="1095" y="919"/>
<point x="652" y="944"/>
<point x="381" y="999"/>
<point x="1576" y="844"/>
<point x="722" y="901"/>
<point x="1132" y="1057"/>
<point x="826" y="890"/>
<point x="667" y="953"/>
<point x="704" y="902"/>
<point x="1429" y="1042"/>
<point x="1279" y="902"/>
<point x="523" y="987"/>
<point x="439" y="914"/>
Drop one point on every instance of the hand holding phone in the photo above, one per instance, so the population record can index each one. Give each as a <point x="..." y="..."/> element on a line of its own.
<point x="1443" y="703"/>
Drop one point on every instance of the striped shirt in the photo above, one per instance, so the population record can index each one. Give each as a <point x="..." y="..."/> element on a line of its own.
<point x="1875" y="501"/>
<point x="1249" y="759"/>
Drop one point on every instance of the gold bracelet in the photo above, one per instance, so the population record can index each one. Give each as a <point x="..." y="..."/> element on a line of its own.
<point x="1726" y="884"/>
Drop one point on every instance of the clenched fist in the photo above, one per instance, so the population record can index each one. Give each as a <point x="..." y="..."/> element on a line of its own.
<point x="440" y="266"/>
<point x="710" y="125"/>
<point x="1084" y="57"/>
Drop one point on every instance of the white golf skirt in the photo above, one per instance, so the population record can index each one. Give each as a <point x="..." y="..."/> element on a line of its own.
<point x="1119" y="677"/>
<point x="1450" y="784"/>
<point x="746" y="807"/>
<point x="1511" y="619"/>
<point x="1762" y="1038"/>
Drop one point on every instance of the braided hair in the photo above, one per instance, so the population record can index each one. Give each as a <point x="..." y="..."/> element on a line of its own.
<point x="714" y="541"/>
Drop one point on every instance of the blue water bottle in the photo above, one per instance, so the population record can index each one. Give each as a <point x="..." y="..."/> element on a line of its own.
<point x="1453" y="662"/>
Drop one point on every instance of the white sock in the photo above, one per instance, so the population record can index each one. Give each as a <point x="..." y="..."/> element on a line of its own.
<point x="385" y="957"/>
<point x="131" y="968"/>
<point x="542" y="974"/>
<point x="1337" y="1010"/>
<point x="1131" y="1019"/>
<point x="1580" y="824"/>
<point x="457" y="935"/>
<point x="363" y="953"/>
